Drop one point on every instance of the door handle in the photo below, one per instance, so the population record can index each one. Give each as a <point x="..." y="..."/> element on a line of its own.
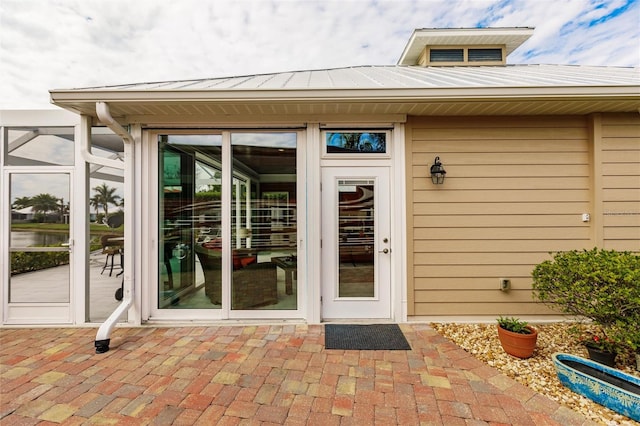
<point x="384" y="250"/>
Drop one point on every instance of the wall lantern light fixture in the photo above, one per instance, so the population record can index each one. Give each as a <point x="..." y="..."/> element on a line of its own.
<point x="437" y="172"/>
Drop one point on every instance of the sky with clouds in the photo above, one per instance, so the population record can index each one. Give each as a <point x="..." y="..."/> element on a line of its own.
<point x="54" y="44"/>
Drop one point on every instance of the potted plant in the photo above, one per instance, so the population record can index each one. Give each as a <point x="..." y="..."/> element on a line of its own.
<point x="601" y="348"/>
<point x="517" y="337"/>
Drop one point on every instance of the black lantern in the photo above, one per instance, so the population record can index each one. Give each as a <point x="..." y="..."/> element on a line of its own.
<point x="437" y="172"/>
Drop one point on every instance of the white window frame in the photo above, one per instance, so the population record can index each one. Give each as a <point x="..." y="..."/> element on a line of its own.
<point x="355" y="155"/>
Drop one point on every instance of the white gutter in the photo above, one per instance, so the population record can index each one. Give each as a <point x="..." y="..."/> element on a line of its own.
<point x="412" y="94"/>
<point x="103" y="337"/>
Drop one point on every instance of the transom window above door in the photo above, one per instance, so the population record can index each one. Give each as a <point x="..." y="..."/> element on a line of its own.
<point x="352" y="143"/>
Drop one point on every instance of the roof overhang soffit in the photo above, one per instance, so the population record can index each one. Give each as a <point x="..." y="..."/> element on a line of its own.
<point x="146" y="106"/>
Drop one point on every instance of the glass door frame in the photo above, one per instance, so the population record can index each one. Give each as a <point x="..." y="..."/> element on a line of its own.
<point x="36" y="312"/>
<point x="150" y="290"/>
<point x="377" y="306"/>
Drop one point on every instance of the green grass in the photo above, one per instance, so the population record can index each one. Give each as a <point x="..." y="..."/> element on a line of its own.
<point x="94" y="228"/>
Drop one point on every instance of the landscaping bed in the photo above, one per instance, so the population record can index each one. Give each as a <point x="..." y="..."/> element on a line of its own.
<point x="538" y="372"/>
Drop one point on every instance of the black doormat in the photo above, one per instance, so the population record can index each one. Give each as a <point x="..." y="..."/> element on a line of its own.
<point x="365" y="337"/>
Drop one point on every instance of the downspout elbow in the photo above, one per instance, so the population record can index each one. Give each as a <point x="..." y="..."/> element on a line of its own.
<point x="104" y="115"/>
<point x="103" y="337"/>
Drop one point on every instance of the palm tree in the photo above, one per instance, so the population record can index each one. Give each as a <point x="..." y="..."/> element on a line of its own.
<point x="45" y="203"/>
<point x="106" y="196"/>
<point x="22" y="202"/>
<point x="95" y="203"/>
<point x="63" y="209"/>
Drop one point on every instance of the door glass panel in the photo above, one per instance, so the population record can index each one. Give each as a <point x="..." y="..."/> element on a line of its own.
<point x="356" y="232"/>
<point x="106" y="207"/>
<point x="263" y="221"/>
<point x="39" y="146"/>
<point x="190" y="255"/>
<point x="39" y="255"/>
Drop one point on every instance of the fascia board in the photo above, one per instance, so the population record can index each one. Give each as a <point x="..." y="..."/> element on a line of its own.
<point x="347" y="95"/>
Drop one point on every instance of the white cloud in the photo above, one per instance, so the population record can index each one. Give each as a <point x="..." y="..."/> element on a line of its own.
<point x="81" y="43"/>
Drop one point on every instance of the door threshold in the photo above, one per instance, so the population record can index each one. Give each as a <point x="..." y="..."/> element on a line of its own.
<point x="359" y="321"/>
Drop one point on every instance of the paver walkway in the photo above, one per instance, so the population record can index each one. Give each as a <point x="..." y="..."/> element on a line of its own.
<point x="271" y="374"/>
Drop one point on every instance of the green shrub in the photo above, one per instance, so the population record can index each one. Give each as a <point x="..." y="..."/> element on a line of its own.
<point x="22" y="262"/>
<point x="600" y="285"/>
<point x="627" y="332"/>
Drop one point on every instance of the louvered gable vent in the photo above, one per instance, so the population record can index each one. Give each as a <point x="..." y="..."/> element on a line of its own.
<point x="463" y="47"/>
<point x="482" y="55"/>
<point x="446" y="55"/>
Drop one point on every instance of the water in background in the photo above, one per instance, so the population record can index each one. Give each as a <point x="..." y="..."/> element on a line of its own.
<point x="34" y="239"/>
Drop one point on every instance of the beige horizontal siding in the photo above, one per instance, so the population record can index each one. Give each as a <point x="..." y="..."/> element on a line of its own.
<point x="621" y="181"/>
<point x="493" y="221"/>
<point x="505" y="195"/>
<point x="620" y="169"/>
<point x="526" y="134"/>
<point x="476" y="296"/>
<point x="464" y="283"/>
<point x="460" y="247"/>
<point x="514" y="208"/>
<point x="550" y="146"/>
<point x="480" y="258"/>
<point x="519" y="183"/>
<point x="515" y="190"/>
<point x="481" y="309"/>
<point x="502" y="233"/>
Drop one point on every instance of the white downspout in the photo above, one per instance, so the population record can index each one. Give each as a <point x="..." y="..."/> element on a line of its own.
<point x="103" y="337"/>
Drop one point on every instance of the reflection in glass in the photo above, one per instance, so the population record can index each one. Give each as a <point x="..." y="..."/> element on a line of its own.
<point x="39" y="260"/>
<point x="39" y="146"/>
<point x="356" y="231"/>
<point x="263" y="221"/>
<point x="262" y="251"/>
<point x="356" y="142"/>
<point x="190" y="234"/>
<point x="106" y="207"/>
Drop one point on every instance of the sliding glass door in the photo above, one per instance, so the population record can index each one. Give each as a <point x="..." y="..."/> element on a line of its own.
<point x="227" y="223"/>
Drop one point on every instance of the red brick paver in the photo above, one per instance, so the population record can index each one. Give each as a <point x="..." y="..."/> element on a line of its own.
<point x="268" y="374"/>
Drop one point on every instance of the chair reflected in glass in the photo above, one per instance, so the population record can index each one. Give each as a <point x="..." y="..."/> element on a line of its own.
<point x="111" y="246"/>
<point x="255" y="284"/>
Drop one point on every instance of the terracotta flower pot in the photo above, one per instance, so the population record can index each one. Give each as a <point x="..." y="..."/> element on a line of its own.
<point x="517" y="344"/>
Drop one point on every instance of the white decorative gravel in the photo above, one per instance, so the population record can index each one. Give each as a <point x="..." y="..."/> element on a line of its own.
<point x="537" y="372"/>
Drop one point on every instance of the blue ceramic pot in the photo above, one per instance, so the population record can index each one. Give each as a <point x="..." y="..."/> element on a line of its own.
<point x="607" y="386"/>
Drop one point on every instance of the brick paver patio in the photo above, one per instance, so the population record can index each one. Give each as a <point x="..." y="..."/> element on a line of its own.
<point x="265" y="374"/>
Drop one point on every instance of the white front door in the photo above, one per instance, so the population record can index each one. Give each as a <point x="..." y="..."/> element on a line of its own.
<point x="356" y="247"/>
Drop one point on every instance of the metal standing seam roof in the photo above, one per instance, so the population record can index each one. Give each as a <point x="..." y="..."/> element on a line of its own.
<point x="401" y="77"/>
<point x="394" y="90"/>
